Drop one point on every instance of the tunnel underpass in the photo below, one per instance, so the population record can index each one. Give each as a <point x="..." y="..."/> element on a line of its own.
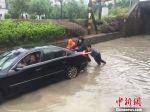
<point x="145" y="18"/>
<point x="138" y="20"/>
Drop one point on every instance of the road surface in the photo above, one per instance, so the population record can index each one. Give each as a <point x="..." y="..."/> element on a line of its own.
<point x="96" y="89"/>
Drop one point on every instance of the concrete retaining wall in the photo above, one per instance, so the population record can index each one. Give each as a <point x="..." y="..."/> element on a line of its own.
<point x="132" y="27"/>
<point x="95" y="39"/>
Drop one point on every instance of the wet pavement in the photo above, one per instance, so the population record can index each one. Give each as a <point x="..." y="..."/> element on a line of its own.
<point x="96" y="89"/>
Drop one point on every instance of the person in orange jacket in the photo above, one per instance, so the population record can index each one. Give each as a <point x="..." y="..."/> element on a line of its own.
<point x="70" y="44"/>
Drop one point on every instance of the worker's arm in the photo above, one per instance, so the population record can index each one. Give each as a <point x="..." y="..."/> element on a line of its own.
<point x="87" y="52"/>
<point x="73" y="47"/>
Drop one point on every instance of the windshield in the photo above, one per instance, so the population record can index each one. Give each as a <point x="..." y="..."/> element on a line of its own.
<point x="7" y="58"/>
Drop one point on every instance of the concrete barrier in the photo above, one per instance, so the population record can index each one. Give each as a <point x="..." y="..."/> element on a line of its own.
<point x="95" y="39"/>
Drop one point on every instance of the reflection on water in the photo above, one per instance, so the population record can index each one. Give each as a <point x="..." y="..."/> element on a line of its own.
<point x="126" y="74"/>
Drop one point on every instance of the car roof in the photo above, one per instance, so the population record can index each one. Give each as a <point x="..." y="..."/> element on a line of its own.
<point x="34" y="48"/>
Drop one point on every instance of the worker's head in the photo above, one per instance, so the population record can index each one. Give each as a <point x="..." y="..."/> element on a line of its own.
<point x="81" y="39"/>
<point x="70" y="40"/>
<point x="32" y="57"/>
<point x="89" y="47"/>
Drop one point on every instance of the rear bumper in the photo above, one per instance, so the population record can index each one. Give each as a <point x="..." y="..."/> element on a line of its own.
<point x="83" y="65"/>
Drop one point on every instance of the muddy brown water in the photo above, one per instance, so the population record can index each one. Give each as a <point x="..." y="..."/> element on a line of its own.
<point x="96" y="89"/>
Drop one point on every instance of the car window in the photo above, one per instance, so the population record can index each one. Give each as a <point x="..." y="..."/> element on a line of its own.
<point x="69" y="52"/>
<point x="30" y="59"/>
<point x="52" y="54"/>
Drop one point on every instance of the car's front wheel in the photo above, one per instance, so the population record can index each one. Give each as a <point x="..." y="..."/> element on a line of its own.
<point x="72" y="72"/>
<point x="1" y="96"/>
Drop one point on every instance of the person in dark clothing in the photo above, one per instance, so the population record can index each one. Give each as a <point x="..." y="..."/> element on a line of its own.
<point x="95" y="54"/>
<point x="80" y="46"/>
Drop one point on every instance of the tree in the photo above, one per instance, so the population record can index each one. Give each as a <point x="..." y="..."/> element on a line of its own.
<point x="120" y="9"/>
<point x="73" y="10"/>
<point x="61" y="4"/>
<point x="100" y="10"/>
<point x="54" y="13"/>
<point x="70" y="11"/>
<point x="13" y="14"/>
<point x="115" y="5"/>
<point x="20" y="6"/>
<point x="40" y="7"/>
<point x="82" y="2"/>
<point x="83" y="9"/>
<point x="49" y="11"/>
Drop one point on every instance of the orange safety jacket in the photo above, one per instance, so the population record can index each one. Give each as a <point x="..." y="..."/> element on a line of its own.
<point x="70" y="44"/>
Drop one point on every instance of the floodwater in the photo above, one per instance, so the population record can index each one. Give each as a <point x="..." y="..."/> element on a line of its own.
<point x="96" y="89"/>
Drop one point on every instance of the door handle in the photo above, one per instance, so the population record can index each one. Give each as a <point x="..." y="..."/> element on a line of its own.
<point x="64" y="62"/>
<point x="38" y="69"/>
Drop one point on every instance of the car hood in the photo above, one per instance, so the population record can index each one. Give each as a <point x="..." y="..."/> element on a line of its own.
<point x="3" y="74"/>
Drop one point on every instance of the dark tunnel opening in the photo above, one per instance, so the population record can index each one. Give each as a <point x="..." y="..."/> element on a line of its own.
<point x="145" y="20"/>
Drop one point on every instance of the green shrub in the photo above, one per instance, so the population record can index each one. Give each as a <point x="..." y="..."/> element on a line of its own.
<point x="16" y="33"/>
<point x="72" y="29"/>
<point x="43" y="17"/>
<point x="7" y="16"/>
<point x="82" y="22"/>
<point x="122" y="12"/>
<point x="33" y="16"/>
<point x="21" y="17"/>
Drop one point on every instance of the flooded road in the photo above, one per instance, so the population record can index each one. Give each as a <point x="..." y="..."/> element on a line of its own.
<point x="96" y="89"/>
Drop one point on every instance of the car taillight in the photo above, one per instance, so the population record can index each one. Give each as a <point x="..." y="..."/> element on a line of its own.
<point x="84" y="55"/>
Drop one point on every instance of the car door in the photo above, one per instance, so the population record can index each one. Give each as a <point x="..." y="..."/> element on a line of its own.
<point x="54" y="64"/>
<point x="25" y="78"/>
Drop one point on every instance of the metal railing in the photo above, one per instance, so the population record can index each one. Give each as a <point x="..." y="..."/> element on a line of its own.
<point x="133" y="7"/>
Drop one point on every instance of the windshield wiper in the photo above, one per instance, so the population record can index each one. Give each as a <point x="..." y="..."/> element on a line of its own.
<point x="7" y="57"/>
